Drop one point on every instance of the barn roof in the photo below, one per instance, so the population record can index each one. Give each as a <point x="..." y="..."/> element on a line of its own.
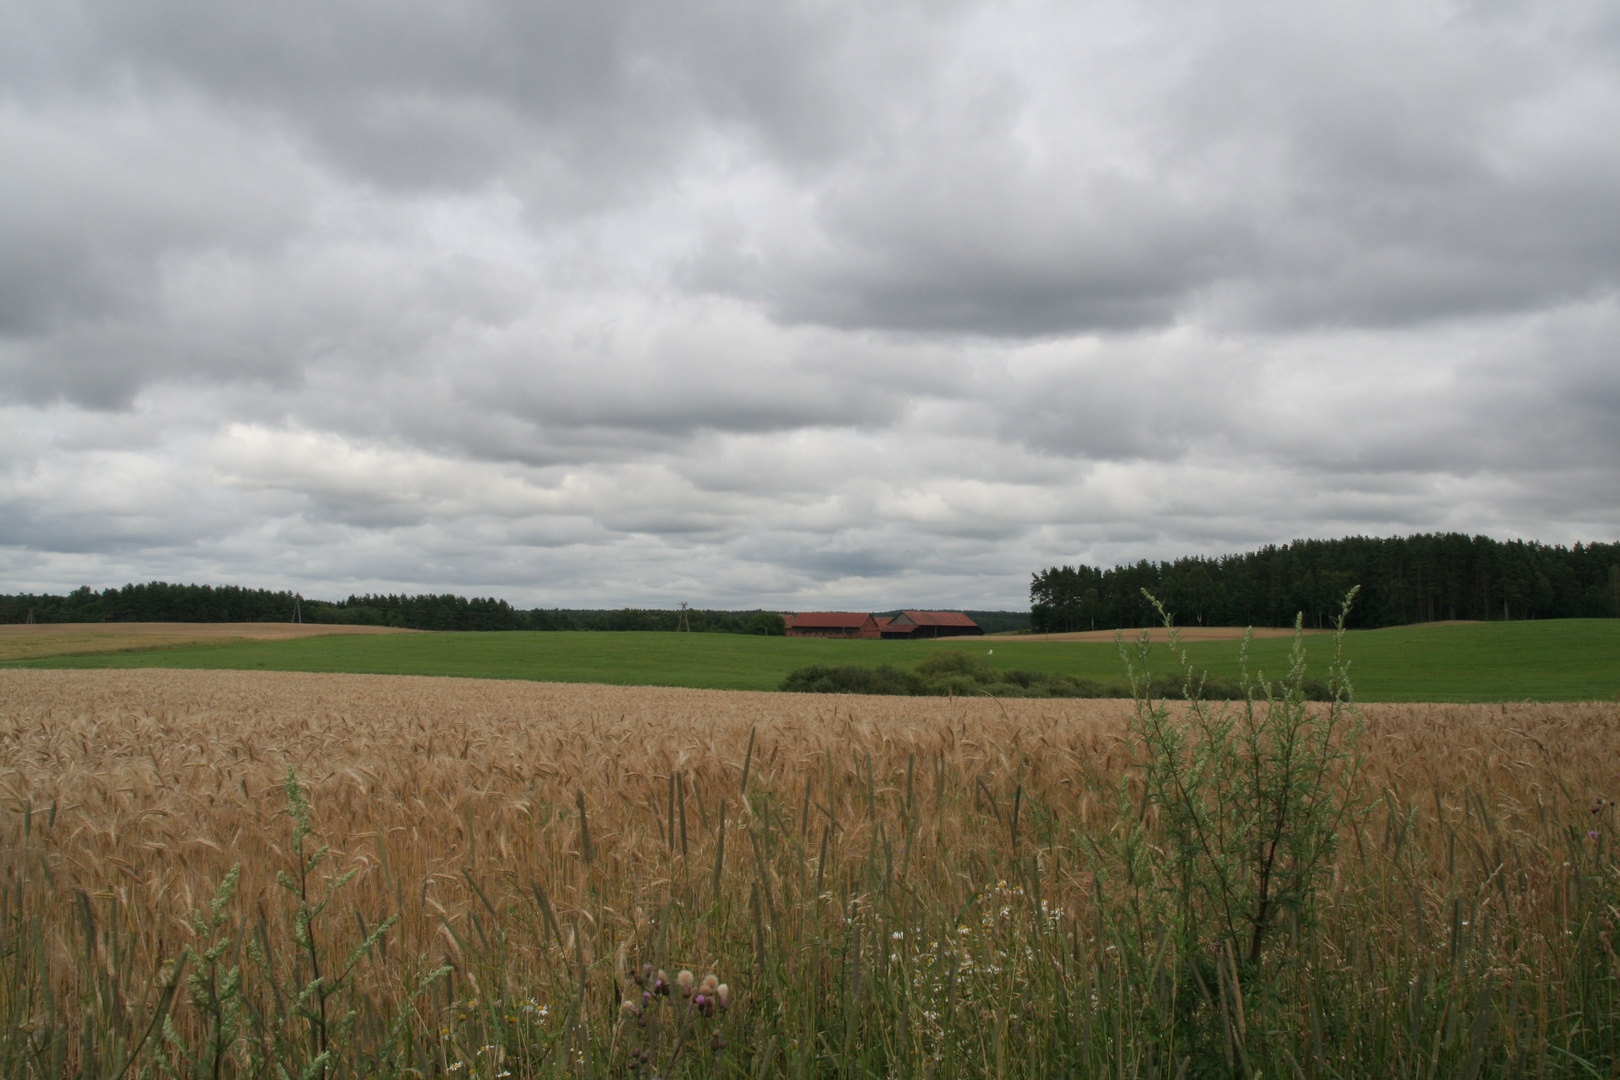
<point x="938" y="618"/>
<point x="829" y="619"/>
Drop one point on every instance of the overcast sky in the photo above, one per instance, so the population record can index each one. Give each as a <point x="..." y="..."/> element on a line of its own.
<point x="790" y="304"/>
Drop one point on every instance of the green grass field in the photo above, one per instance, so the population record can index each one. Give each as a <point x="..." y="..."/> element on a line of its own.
<point x="1559" y="660"/>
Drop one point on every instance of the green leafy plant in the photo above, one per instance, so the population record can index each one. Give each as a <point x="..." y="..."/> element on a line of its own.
<point x="305" y="992"/>
<point x="1251" y="796"/>
<point x="1247" y="800"/>
<point x="213" y="989"/>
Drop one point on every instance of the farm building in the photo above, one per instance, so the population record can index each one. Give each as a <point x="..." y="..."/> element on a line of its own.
<point x="832" y="624"/>
<point x="906" y="626"/>
<point x="910" y="625"/>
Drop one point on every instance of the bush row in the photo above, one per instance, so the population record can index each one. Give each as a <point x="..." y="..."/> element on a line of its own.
<point x="953" y="672"/>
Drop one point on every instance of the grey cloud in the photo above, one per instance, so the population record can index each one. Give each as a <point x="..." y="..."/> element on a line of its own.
<point x="422" y="94"/>
<point x="618" y="303"/>
<point x="1563" y="388"/>
<point x="552" y="388"/>
<point x="1323" y="168"/>
<point x="1421" y="166"/>
<point x="102" y="216"/>
<point x="965" y="235"/>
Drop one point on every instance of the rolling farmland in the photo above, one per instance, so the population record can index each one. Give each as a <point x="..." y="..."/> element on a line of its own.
<point x="1553" y="660"/>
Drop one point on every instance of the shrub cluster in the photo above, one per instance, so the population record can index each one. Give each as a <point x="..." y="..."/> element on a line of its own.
<point x="956" y="672"/>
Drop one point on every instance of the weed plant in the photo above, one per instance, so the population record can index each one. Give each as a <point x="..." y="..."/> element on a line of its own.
<point x="1217" y="889"/>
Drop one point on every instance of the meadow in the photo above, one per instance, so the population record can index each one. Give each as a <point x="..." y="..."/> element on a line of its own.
<point x="1550" y="660"/>
<point x="230" y="874"/>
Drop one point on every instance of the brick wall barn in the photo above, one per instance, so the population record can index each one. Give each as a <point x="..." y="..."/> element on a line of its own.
<point x="929" y="624"/>
<point x="833" y="624"/>
<point x="906" y="626"/>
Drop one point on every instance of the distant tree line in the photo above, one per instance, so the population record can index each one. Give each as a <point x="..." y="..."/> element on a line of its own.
<point x="698" y="621"/>
<point x="156" y="602"/>
<point x="1425" y="578"/>
<point x="160" y="601"/>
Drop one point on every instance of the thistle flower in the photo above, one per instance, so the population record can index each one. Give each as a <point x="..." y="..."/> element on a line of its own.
<point x="685" y="980"/>
<point x="721" y="994"/>
<point x="709" y="984"/>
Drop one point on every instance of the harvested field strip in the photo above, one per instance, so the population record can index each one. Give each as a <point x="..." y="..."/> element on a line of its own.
<point x="884" y="854"/>
<point x="31" y="641"/>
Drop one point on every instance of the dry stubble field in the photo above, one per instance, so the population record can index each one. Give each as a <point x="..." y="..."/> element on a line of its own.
<point x="27" y="641"/>
<point x="948" y="832"/>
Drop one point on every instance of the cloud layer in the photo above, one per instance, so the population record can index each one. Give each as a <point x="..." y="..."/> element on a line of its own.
<point x="794" y="305"/>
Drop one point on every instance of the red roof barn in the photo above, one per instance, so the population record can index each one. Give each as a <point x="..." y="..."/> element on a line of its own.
<point x="930" y="624"/>
<point x="836" y="624"/>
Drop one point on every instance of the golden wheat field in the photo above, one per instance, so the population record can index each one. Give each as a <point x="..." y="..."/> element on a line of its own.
<point x="448" y="797"/>
<point x="158" y="781"/>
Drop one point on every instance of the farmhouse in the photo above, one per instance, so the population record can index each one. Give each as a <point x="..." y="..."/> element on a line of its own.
<point x="832" y="624"/>
<point x="906" y="626"/>
<point x="928" y="624"/>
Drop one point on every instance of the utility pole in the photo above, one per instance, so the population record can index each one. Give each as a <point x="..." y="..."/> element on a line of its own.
<point x="681" y="620"/>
